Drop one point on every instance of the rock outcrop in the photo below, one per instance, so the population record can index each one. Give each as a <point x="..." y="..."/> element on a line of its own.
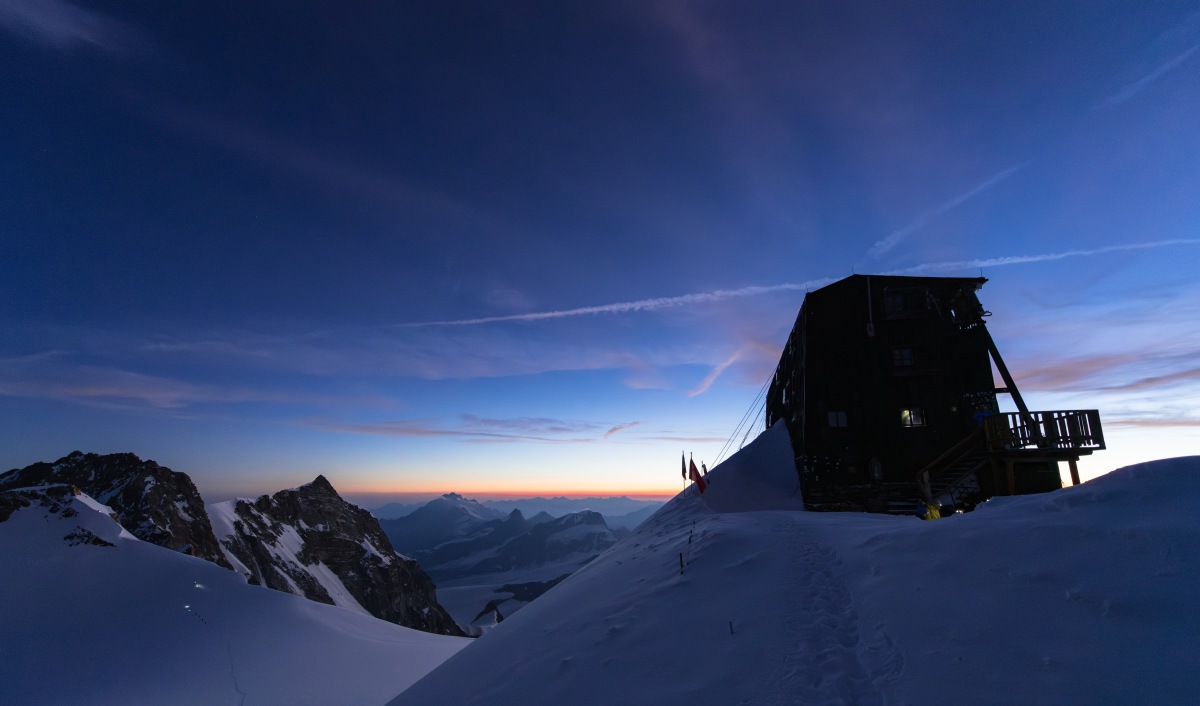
<point x="152" y="502"/>
<point x="311" y="542"/>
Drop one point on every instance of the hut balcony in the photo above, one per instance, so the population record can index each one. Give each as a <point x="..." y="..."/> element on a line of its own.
<point x="1074" y="433"/>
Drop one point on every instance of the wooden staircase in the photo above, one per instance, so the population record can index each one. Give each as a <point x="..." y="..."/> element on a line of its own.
<point x="952" y="479"/>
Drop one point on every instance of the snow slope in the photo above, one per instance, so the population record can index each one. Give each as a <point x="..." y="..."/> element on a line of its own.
<point x="1084" y="595"/>
<point x="131" y="622"/>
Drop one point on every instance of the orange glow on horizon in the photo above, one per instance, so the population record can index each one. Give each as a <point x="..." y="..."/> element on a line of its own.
<point x="510" y="494"/>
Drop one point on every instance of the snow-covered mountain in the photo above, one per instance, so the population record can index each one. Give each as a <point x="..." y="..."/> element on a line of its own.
<point x="631" y="520"/>
<point x="89" y="614"/>
<point x="737" y="596"/>
<point x="448" y="518"/>
<point x="156" y="504"/>
<point x="311" y="542"/>
<point x="486" y="567"/>
<point x="558" y="506"/>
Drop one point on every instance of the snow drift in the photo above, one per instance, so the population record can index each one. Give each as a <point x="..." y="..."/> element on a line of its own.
<point x="90" y="614"/>
<point x="1084" y="595"/>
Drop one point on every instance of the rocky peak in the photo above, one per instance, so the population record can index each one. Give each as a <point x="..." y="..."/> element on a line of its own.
<point x="282" y="541"/>
<point x="319" y="486"/>
<point x="154" y="503"/>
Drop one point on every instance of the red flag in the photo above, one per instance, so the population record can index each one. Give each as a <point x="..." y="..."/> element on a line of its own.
<point x="697" y="478"/>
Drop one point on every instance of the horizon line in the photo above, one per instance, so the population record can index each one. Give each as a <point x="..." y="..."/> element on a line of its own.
<point x="483" y="496"/>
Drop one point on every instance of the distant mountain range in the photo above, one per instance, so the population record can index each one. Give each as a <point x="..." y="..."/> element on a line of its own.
<point x="487" y="563"/>
<point x="610" y="507"/>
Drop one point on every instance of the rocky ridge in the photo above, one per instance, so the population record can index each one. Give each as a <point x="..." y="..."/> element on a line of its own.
<point x="152" y="502"/>
<point x="311" y="542"/>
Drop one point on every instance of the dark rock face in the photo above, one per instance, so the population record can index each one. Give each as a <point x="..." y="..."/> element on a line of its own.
<point x="52" y="500"/>
<point x="152" y="502"/>
<point x="290" y="540"/>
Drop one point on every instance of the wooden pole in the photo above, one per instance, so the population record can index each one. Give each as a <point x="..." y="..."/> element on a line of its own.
<point x="1074" y="471"/>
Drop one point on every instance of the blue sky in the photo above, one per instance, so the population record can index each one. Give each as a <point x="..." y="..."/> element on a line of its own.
<point x="516" y="247"/>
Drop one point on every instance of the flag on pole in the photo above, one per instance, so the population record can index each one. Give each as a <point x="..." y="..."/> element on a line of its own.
<point x="682" y="466"/>
<point x="697" y="478"/>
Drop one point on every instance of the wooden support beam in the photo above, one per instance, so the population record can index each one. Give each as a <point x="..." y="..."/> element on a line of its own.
<point x="1012" y="479"/>
<point x="1074" y="470"/>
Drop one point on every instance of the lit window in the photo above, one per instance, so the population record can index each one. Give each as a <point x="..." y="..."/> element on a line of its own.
<point x="912" y="417"/>
<point x="837" y="419"/>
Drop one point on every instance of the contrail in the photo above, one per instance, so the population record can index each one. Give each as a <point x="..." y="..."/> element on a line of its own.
<point x="1045" y="257"/>
<point x="882" y="246"/>
<point x="634" y="306"/>
<point x="1134" y="88"/>
<point x="752" y="291"/>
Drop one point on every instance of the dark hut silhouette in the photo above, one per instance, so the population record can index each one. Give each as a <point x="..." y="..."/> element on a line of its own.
<point x="886" y="387"/>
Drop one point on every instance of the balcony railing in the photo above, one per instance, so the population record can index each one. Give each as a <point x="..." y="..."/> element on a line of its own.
<point x="1076" y="429"/>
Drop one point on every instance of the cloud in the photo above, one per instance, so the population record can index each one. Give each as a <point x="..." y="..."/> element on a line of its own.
<point x="1134" y="88"/>
<point x="640" y="305"/>
<point x="1140" y="423"/>
<point x="719" y="295"/>
<point x="529" y="425"/>
<point x="1067" y="374"/>
<point x="883" y="246"/>
<point x="61" y="25"/>
<point x="317" y="167"/>
<point x="56" y="376"/>
<point x="1155" y="381"/>
<point x="714" y="374"/>
<point x="688" y="439"/>
<point x="471" y="428"/>
<point x="620" y="427"/>
<point x="1044" y="257"/>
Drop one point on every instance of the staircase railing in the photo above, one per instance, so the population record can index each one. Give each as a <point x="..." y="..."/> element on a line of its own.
<point x="973" y="443"/>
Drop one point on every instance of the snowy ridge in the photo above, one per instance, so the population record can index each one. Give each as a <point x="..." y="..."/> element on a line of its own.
<point x="1084" y="595"/>
<point x="93" y="615"/>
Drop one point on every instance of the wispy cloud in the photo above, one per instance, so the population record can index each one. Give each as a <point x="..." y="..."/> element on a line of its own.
<point x="714" y="374"/>
<point x="1156" y="381"/>
<point x="719" y="295"/>
<point x="58" y="376"/>
<point x="1043" y="257"/>
<point x="1067" y="374"/>
<point x="61" y="25"/>
<point x="688" y="439"/>
<point x="1167" y="423"/>
<point x="883" y="246"/>
<point x="630" y="307"/>
<point x="1132" y="89"/>
<point x="473" y="428"/>
<point x="320" y="168"/>
<point x="620" y="427"/>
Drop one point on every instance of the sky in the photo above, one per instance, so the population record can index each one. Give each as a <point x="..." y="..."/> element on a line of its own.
<point x="506" y="248"/>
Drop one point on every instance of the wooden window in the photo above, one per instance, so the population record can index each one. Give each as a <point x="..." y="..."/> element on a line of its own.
<point x="837" y="419"/>
<point x="903" y="357"/>
<point x="912" y="417"/>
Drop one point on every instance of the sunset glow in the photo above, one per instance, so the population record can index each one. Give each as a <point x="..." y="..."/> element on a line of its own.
<point x="519" y="249"/>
